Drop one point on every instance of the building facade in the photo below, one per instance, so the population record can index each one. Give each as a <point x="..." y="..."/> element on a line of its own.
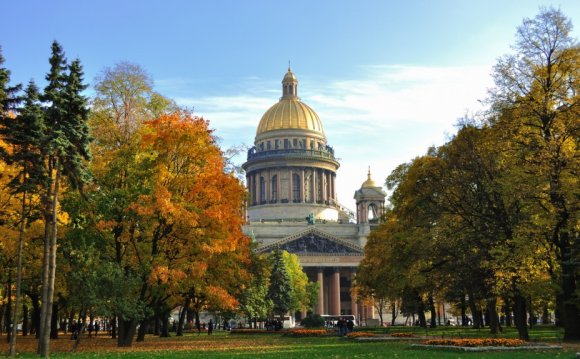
<point x="291" y="180"/>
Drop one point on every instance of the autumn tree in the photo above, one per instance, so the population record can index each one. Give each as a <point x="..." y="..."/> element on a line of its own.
<point x="193" y="213"/>
<point x="23" y="135"/>
<point x="124" y="100"/>
<point x="536" y="104"/>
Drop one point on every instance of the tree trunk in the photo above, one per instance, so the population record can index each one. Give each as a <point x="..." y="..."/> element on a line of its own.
<point x="164" y="326"/>
<point x="48" y="293"/>
<point x="545" y="315"/>
<point x="43" y="325"/>
<point x="492" y="316"/>
<point x="25" y="321"/>
<point x="156" y="325"/>
<point x="520" y="316"/>
<point x="143" y="328"/>
<point x="393" y="312"/>
<point x="35" y="319"/>
<point x="570" y="312"/>
<point x="433" y="322"/>
<point x="126" y="332"/>
<point x="182" y="318"/>
<point x="113" y="325"/>
<point x="475" y="312"/>
<point x="464" y="321"/>
<point x="12" y="350"/>
<point x="54" y="322"/>
<point x="507" y="311"/>
<point x="8" y="315"/>
<point x="198" y="323"/>
<point x="420" y="310"/>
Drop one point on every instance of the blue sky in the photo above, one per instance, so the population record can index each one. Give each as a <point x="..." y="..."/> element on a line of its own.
<point x="388" y="78"/>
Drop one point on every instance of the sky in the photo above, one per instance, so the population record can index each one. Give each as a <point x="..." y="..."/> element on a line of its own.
<point x="388" y="78"/>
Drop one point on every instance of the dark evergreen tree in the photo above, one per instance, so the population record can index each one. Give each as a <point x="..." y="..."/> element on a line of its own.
<point x="8" y="94"/>
<point x="280" y="291"/>
<point x="66" y="149"/>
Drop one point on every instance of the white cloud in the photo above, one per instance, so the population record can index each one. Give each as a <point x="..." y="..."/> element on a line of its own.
<point x="387" y="116"/>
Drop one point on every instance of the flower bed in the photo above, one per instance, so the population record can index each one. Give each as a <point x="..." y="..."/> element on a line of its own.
<point x="360" y="335"/>
<point x="489" y="342"/>
<point x="403" y="335"/>
<point x="307" y="332"/>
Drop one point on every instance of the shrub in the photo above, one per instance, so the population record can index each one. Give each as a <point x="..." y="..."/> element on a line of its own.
<point x="313" y="321"/>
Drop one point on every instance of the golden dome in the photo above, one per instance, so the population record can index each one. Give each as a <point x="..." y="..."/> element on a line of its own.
<point x="369" y="182"/>
<point x="290" y="112"/>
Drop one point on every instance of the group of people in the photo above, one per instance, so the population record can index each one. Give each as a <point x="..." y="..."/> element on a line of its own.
<point x="274" y="324"/>
<point x="76" y="327"/>
<point x="344" y="326"/>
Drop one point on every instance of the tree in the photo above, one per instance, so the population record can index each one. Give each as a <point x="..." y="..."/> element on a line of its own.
<point x="65" y="149"/>
<point x="8" y="94"/>
<point x="23" y="135"/>
<point x="123" y="102"/>
<point x="304" y="294"/>
<point x="253" y="299"/>
<point x="280" y="290"/>
<point x="536" y="103"/>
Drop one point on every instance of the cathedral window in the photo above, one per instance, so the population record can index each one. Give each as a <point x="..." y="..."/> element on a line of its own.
<point x="274" y="185"/>
<point x="262" y="190"/>
<point x="295" y="188"/>
<point x="286" y="143"/>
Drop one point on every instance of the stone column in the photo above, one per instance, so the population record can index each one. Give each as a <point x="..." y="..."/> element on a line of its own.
<point x="249" y="182"/>
<point x="279" y="184"/>
<point x="353" y="299"/>
<point x="332" y="194"/>
<point x="290" y="179"/>
<point x="313" y="184"/>
<point x="254" y="188"/>
<point x="335" y="292"/>
<point x="320" y="280"/>
<point x="268" y="186"/>
<point x="324" y="185"/>
<point x="259" y="175"/>
<point x="302" y="192"/>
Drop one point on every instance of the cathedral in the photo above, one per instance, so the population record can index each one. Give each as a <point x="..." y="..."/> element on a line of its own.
<point x="291" y="180"/>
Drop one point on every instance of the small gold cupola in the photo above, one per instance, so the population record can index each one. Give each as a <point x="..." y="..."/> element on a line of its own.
<point x="369" y="182"/>
<point x="289" y="85"/>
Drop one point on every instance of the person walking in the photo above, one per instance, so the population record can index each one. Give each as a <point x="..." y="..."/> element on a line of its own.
<point x="209" y="327"/>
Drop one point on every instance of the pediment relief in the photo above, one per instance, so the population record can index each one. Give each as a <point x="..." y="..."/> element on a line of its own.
<point x="315" y="243"/>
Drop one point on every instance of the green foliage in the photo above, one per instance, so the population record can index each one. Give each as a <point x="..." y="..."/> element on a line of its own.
<point x="312" y="321"/>
<point x="280" y="289"/>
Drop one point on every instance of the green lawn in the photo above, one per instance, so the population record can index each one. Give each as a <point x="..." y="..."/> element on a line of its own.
<point x="224" y="345"/>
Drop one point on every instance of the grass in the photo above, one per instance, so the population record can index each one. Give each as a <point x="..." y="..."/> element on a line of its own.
<point x="222" y="345"/>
